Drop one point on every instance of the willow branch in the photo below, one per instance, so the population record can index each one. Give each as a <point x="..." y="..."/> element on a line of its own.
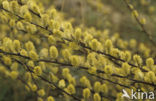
<point x="110" y="57"/>
<point x="140" y="24"/>
<point x="80" y="67"/>
<point x="49" y="82"/>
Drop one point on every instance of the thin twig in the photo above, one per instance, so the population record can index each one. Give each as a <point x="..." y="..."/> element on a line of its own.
<point x="140" y="24"/>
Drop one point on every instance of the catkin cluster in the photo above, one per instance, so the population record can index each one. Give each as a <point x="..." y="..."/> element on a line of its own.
<point x="54" y="61"/>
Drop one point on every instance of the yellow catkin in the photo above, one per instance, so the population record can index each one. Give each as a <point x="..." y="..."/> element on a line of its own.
<point x="7" y="60"/>
<point x="96" y="97"/>
<point x="6" y="5"/>
<point x="20" y="25"/>
<point x="149" y="62"/>
<point x="39" y="99"/>
<point x="17" y="45"/>
<point x="108" y="69"/>
<point x="143" y="21"/>
<point x="135" y="13"/>
<point x="14" y="66"/>
<point x="74" y="60"/>
<point x="53" y="78"/>
<point x="65" y="72"/>
<point x="126" y="68"/>
<point x="12" y="23"/>
<point x="14" y="74"/>
<point x="104" y="88"/>
<point x="53" y="52"/>
<point x="92" y="70"/>
<point x="41" y="92"/>
<point x="50" y="98"/>
<point x="66" y="54"/>
<point x="137" y="59"/>
<point x="85" y="82"/>
<point x="151" y="9"/>
<point x="78" y="34"/>
<point x="71" y="89"/>
<point x="62" y="84"/>
<point x="35" y="8"/>
<point x="31" y="28"/>
<point x="27" y="16"/>
<point x="33" y="55"/>
<point x="44" y="53"/>
<point x="86" y="93"/>
<point x="108" y="45"/>
<point x="30" y="64"/>
<point x="34" y="87"/>
<point x="94" y="44"/>
<point x="54" y="70"/>
<point x="51" y="39"/>
<point x="14" y="6"/>
<point x="97" y="86"/>
<point x="29" y="46"/>
<point x="45" y="19"/>
<point x="37" y="70"/>
<point x="42" y="65"/>
<point x="53" y="13"/>
<point x="23" y="52"/>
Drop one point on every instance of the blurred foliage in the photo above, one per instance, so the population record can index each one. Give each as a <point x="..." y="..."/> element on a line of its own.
<point x="110" y="14"/>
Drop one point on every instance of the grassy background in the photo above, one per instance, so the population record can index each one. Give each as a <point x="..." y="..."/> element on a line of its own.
<point x="114" y="15"/>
